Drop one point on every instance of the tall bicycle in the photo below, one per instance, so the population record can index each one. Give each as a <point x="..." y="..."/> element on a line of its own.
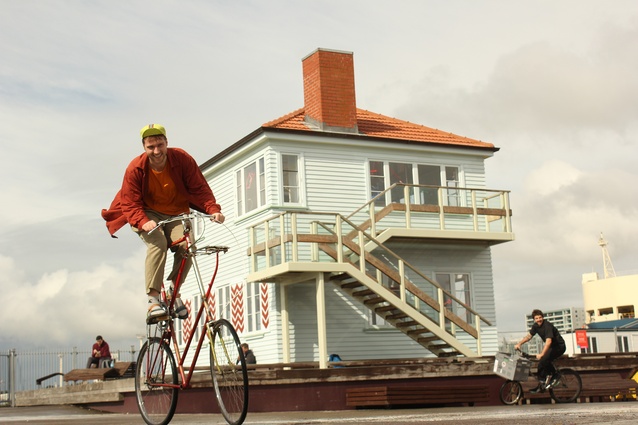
<point x="564" y="388"/>
<point x="161" y="370"/>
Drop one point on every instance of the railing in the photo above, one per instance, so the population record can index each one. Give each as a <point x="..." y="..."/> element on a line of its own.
<point x="311" y="238"/>
<point x="436" y="208"/>
<point x="22" y="369"/>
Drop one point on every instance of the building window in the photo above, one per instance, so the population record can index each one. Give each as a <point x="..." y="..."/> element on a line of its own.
<point x="623" y="344"/>
<point x="592" y="346"/>
<point x="377" y="181"/>
<point x="439" y="175"/>
<point x="290" y="178"/>
<point x="251" y="187"/>
<point x="253" y="307"/>
<point x="384" y="174"/>
<point x="457" y="284"/>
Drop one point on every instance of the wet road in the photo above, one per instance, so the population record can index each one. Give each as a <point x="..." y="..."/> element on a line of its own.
<point x="618" y="413"/>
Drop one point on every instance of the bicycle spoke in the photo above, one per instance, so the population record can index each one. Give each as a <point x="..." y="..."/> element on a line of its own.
<point x="229" y="373"/>
<point x="511" y="392"/>
<point x="155" y="380"/>
<point x="568" y="388"/>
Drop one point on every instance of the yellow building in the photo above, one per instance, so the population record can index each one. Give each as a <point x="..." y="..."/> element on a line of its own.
<point x="613" y="298"/>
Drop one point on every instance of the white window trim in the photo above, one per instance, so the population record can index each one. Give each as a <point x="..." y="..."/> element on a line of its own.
<point x="302" y="180"/>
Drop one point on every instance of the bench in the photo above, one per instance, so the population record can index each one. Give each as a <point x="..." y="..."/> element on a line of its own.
<point x="596" y="387"/>
<point x="386" y="396"/>
<point x="120" y="370"/>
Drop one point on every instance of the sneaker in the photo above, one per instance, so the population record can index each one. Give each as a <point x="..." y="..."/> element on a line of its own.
<point x="555" y="380"/>
<point x="156" y="313"/>
<point x="180" y="309"/>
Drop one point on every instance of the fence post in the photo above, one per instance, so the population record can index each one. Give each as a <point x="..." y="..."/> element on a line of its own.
<point x="12" y="376"/>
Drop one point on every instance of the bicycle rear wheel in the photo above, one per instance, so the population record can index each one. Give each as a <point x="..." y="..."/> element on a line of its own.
<point x="156" y="381"/>
<point x="511" y="392"/>
<point x="568" y="388"/>
<point x="229" y="373"/>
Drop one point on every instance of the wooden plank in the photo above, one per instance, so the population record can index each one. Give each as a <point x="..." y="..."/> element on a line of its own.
<point x="397" y="396"/>
<point x="91" y="374"/>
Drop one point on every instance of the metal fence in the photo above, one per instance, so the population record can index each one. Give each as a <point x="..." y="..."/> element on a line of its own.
<point x="29" y="370"/>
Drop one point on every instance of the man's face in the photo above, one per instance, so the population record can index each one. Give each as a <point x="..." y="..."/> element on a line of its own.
<point x="538" y="319"/>
<point x="100" y="341"/>
<point x="156" y="148"/>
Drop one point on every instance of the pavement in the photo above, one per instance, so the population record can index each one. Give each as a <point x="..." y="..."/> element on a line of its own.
<point x="617" y="413"/>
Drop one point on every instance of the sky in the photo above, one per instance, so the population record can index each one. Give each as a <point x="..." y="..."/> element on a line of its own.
<point x="552" y="84"/>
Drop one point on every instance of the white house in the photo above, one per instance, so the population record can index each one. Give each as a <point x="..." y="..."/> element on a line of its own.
<point x="355" y="233"/>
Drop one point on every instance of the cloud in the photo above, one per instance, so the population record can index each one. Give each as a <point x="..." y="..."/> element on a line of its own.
<point x="66" y="308"/>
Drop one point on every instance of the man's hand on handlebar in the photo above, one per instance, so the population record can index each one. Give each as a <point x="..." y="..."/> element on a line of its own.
<point x="218" y="217"/>
<point x="149" y="225"/>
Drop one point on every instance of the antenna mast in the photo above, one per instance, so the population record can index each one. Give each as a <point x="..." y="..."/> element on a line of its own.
<point x="608" y="266"/>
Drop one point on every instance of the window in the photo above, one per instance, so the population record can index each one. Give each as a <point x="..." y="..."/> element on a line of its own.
<point x="290" y="178"/>
<point x="400" y="173"/>
<point x="592" y="346"/>
<point x="384" y="174"/>
<point x="457" y="284"/>
<point x="623" y="344"/>
<point x="377" y="181"/>
<point x="253" y="307"/>
<point x="251" y="187"/>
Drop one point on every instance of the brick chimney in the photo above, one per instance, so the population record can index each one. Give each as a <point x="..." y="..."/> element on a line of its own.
<point x="329" y="98"/>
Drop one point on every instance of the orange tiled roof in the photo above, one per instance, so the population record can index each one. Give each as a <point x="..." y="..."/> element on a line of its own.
<point x="377" y="125"/>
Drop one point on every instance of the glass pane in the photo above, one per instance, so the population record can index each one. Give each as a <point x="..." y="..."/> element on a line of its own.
<point x="430" y="175"/>
<point x="250" y="186"/>
<point x="290" y="178"/>
<point x="400" y="173"/>
<point x="377" y="182"/>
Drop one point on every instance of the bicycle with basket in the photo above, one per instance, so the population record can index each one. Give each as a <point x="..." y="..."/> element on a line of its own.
<point x="565" y="387"/>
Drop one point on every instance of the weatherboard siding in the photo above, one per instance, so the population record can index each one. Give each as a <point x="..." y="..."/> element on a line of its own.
<point x="334" y="178"/>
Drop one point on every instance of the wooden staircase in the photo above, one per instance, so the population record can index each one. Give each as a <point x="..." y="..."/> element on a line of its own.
<point x="385" y="300"/>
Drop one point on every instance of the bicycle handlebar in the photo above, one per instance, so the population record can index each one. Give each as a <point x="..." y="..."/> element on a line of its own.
<point x="525" y="355"/>
<point x="185" y="216"/>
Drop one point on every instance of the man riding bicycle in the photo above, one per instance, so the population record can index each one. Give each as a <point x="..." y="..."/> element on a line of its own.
<point x="554" y="348"/>
<point x="161" y="183"/>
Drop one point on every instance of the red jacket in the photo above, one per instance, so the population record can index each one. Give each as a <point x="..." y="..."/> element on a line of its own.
<point x="103" y="349"/>
<point x="128" y="204"/>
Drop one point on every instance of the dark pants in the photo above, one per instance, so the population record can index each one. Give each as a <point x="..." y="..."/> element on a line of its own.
<point x="95" y="361"/>
<point x="545" y="366"/>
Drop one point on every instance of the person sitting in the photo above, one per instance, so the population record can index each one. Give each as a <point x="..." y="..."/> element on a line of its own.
<point x="248" y="354"/>
<point x="99" y="353"/>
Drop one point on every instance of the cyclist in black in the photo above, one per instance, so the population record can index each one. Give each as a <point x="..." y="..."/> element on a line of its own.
<point x="553" y="349"/>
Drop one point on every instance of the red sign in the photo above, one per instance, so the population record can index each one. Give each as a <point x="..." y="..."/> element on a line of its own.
<point x="581" y="339"/>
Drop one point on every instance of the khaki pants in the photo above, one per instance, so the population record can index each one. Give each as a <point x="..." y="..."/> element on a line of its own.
<point x="157" y="243"/>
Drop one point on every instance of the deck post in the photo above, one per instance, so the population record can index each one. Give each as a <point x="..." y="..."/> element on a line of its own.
<point x="285" y="325"/>
<point x="321" y="321"/>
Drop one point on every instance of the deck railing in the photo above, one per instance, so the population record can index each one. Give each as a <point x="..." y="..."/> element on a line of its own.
<point x="436" y="208"/>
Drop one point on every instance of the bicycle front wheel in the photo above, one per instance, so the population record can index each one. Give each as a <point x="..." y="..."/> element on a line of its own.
<point x="568" y="387"/>
<point x="511" y="392"/>
<point x="156" y="382"/>
<point x="228" y="370"/>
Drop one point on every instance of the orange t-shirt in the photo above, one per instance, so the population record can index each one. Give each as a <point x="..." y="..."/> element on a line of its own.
<point x="162" y="194"/>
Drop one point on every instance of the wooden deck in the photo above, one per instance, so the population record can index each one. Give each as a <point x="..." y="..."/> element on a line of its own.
<point x="306" y="387"/>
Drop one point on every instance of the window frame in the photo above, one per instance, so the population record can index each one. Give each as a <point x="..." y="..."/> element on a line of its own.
<point x="259" y="180"/>
<point x="452" y="197"/>
<point x="301" y="192"/>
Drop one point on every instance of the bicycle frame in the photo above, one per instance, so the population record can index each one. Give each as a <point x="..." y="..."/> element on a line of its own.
<point x="168" y="333"/>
